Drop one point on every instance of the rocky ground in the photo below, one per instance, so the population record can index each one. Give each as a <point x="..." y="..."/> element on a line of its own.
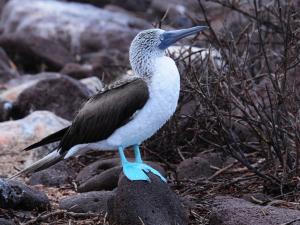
<point x="54" y="55"/>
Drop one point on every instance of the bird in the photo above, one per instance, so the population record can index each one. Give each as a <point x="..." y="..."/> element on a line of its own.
<point x="127" y="112"/>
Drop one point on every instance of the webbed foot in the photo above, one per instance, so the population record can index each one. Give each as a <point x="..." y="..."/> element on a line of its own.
<point x="137" y="170"/>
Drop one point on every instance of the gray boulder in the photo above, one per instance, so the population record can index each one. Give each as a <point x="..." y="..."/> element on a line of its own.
<point x="59" y="33"/>
<point x="78" y="27"/>
<point x="106" y="180"/>
<point x="18" y="134"/>
<point x="234" y="211"/>
<point x="194" y="168"/>
<point x="59" y="174"/>
<point x="104" y="175"/>
<point x="16" y="195"/>
<point x="63" y="96"/>
<point x="14" y="87"/>
<point x="30" y="51"/>
<point x="149" y="203"/>
<point x="200" y="166"/>
<point x="94" y="201"/>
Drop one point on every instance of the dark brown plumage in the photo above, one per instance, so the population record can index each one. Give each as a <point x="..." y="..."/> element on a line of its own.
<point x="104" y="113"/>
<point x="99" y="118"/>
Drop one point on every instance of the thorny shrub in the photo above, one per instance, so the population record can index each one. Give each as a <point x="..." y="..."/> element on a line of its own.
<point x="245" y="101"/>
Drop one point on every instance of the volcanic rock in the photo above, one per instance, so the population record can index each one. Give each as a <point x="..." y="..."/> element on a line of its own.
<point x="142" y="202"/>
<point x="59" y="33"/>
<point x="34" y="51"/>
<point x="16" y="86"/>
<point x="16" y="195"/>
<point x="74" y="25"/>
<point x="95" y="168"/>
<point x="18" y="134"/>
<point x="234" y="211"/>
<point x="56" y="175"/>
<point x="194" y="168"/>
<point x="107" y="180"/>
<point x="63" y="96"/>
<point x="200" y="166"/>
<point x="94" y="201"/>
<point x="104" y="175"/>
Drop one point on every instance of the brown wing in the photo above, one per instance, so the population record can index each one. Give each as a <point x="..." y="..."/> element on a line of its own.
<point x="104" y="113"/>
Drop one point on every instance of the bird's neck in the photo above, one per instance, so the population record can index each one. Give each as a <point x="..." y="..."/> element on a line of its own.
<point x="143" y="64"/>
<point x="143" y="68"/>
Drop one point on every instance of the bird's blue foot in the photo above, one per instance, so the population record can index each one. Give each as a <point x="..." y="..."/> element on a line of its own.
<point x="137" y="170"/>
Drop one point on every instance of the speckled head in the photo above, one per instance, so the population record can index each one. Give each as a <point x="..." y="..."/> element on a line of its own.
<point x="152" y="43"/>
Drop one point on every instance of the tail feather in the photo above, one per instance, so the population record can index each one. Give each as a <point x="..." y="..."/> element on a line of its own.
<point x="57" y="136"/>
<point x="49" y="160"/>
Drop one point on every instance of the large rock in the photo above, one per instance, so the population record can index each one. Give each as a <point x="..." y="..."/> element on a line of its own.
<point x="16" y="195"/>
<point x="59" y="174"/>
<point x="78" y="27"/>
<point x="234" y="211"/>
<point x="16" y="135"/>
<point x="149" y="203"/>
<point x="194" y="168"/>
<point x="16" y="86"/>
<point x="63" y="96"/>
<point x="200" y="166"/>
<point x="31" y="51"/>
<point x="104" y="175"/>
<point x="106" y="180"/>
<point x="94" y="201"/>
<point x="100" y="175"/>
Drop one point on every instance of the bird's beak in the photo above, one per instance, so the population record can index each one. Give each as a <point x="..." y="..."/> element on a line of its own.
<point x="170" y="37"/>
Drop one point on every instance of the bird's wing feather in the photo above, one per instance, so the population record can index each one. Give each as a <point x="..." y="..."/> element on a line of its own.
<point x="105" y="112"/>
<point x="57" y="136"/>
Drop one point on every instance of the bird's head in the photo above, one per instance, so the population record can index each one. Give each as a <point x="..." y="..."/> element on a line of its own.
<point x="152" y="43"/>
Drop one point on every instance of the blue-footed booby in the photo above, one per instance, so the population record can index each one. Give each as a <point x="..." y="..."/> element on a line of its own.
<point x="127" y="112"/>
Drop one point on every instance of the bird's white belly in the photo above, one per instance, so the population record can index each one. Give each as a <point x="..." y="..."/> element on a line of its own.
<point x="164" y="88"/>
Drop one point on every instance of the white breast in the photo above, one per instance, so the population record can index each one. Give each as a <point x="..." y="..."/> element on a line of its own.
<point x="164" y="88"/>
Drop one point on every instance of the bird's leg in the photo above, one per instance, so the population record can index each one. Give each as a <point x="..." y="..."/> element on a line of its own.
<point x="132" y="170"/>
<point x="122" y="155"/>
<point x="137" y="170"/>
<point x="145" y="167"/>
<point x="137" y="154"/>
